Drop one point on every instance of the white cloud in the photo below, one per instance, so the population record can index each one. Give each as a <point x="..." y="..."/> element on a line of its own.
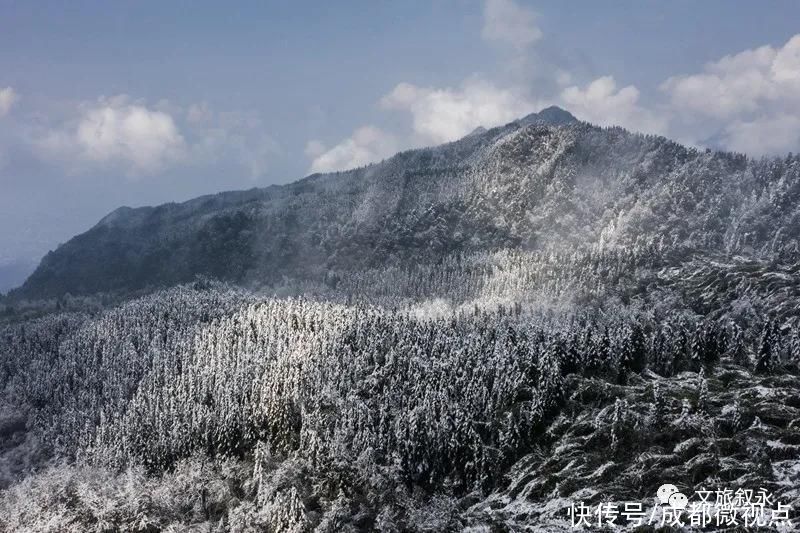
<point x="8" y="97"/>
<point x="315" y="148"/>
<point x="146" y="139"/>
<point x="137" y="140"/>
<point x="442" y="115"/>
<point x="115" y="132"/>
<point x="601" y="102"/>
<point x="749" y="101"/>
<point x="367" y="145"/>
<point x="507" y="23"/>
<point x="437" y="115"/>
<point x="740" y="84"/>
<point x="764" y="135"/>
<point x="786" y="66"/>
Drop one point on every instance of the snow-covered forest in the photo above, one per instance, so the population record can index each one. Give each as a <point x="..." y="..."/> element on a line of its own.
<point x="544" y="314"/>
<point x="206" y="404"/>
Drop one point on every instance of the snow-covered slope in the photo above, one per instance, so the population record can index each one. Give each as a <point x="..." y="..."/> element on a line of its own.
<point x="545" y="181"/>
<point x="486" y="333"/>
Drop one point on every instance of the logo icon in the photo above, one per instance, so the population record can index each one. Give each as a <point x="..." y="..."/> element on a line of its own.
<point x="668" y="494"/>
<point x="678" y="501"/>
<point x="665" y="491"/>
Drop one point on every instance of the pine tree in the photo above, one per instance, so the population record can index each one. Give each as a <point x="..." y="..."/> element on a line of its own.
<point x="702" y="392"/>
<point x="735" y="348"/>
<point x="711" y="345"/>
<point x="794" y="347"/>
<point x="686" y="410"/>
<point x="659" y="409"/>
<point x="737" y="416"/>
<point x="697" y="349"/>
<point x="619" y="424"/>
<point x="551" y="381"/>
<point x="765" y="357"/>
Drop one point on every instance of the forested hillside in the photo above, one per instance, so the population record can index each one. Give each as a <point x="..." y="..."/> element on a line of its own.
<point x="546" y="182"/>
<point x="475" y="336"/>
<point x="295" y="414"/>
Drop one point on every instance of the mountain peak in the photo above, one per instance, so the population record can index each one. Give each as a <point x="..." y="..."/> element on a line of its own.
<point x="552" y="116"/>
<point x="477" y="131"/>
<point x="510" y="187"/>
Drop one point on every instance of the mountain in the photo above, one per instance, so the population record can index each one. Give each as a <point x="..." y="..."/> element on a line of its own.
<point x="481" y="336"/>
<point x="544" y="182"/>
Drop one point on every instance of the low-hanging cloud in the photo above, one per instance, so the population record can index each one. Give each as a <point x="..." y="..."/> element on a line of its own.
<point x="367" y="145"/>
<point x="773" y="134"/>
<point x="442" y="115"/>
<point x="437" y="116"/>
<point x="601" y="102"/>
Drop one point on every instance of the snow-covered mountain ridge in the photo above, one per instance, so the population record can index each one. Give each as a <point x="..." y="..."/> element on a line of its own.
<point x="544" y="182"/>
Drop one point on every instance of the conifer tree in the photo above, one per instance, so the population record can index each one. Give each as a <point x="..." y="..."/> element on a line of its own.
<point x="702" y="392"/>
<point x="765" y="355"/>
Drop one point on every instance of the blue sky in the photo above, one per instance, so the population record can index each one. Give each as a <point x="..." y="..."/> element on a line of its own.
<point x="132" y="103"/>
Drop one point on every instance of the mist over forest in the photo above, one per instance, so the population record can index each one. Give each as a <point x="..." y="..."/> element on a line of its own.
<point x="478" y="266"/>
<point x="476" y="335"/>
